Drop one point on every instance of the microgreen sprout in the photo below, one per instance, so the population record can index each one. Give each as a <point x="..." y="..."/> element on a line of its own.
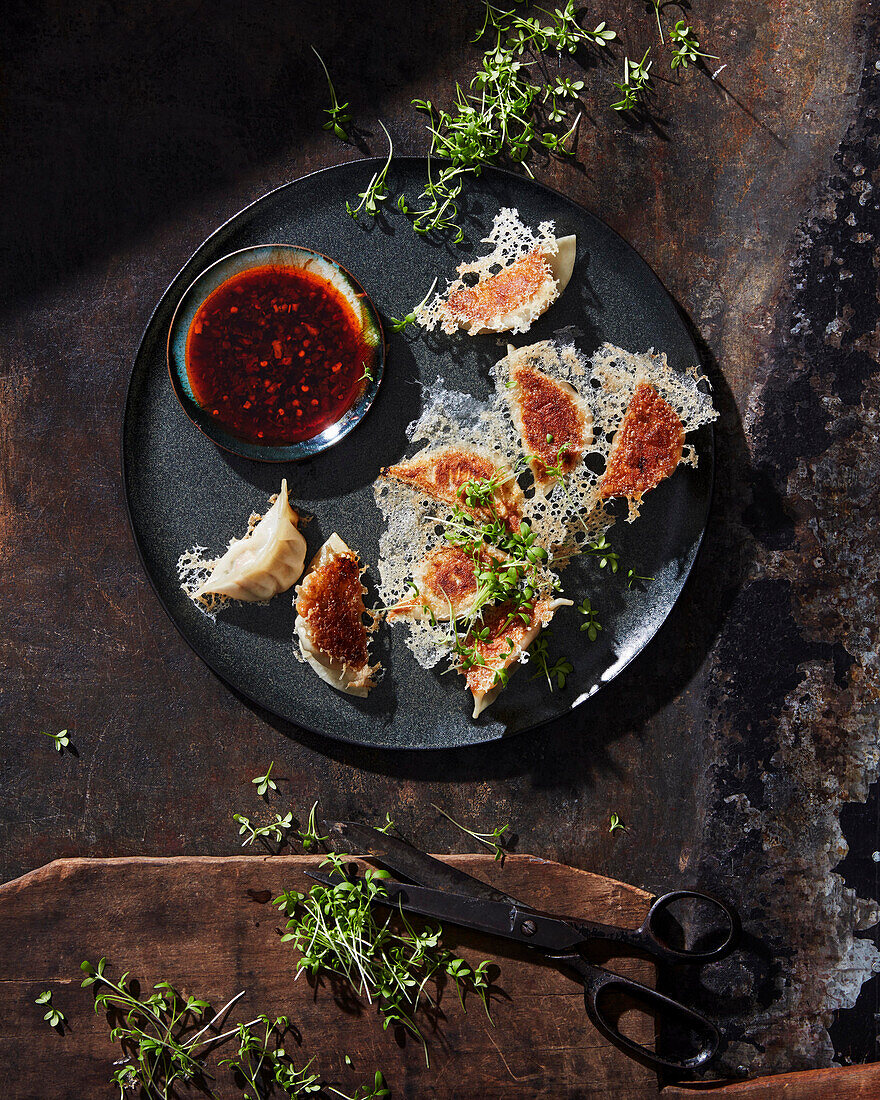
<point x="338" y="112"/>
<point x="494" y="841"/>
<point x="309" y="835"/>
<point x="155" y="1032"/>
<point x="367" y="375"/>
<point x="389" y="824"/>
<point x="54" y="1017"/>
<point x="265" y="783"/>
<point x="657" y="5"/>
<point x="276" y="830"/>
<point x="261" y="1062"/>
<point x="61" y="740"/>
<point x="338" y="929"/>
<point x="636" y="75"/>
<point x="687" y="48"/>
<point x="602" y="552"/>
<point x="632" y="577"/>
<point x="398" y="325"/>
<point x="601" y="36"/>
<point x="560" y="670"/>
<point x="615" y="823"/>
<point x="377" y="188"/>
<point x="591" y="622"/>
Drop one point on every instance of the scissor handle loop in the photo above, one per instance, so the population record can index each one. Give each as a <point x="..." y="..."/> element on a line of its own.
<point x="599" y="982"/>
<point x="662" y="949"/>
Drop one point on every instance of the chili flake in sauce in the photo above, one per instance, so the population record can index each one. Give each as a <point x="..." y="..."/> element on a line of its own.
<point x="276" y="355"/>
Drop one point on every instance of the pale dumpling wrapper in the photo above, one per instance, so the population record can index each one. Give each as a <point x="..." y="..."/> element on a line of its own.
<point x="267" y="561"/>
<point x="329" y="624"/>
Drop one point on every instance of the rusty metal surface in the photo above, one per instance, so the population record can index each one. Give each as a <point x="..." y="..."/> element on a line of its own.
<point x="729" y="747"/>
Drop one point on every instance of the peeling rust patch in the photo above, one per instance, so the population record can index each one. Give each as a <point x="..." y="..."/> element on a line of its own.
<point x="795" y="682"/>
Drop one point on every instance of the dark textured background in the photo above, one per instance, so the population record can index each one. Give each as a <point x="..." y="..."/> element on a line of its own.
<point x="128" y="132"/>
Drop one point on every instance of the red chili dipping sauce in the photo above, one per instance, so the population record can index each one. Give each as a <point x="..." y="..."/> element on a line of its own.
<point x="276" y="355"/>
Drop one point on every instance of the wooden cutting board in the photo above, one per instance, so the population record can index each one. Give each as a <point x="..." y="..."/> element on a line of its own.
<point x="206" y="925"/>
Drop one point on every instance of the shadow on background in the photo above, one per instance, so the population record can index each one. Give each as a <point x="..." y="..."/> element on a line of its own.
<point x="112" y="115"/>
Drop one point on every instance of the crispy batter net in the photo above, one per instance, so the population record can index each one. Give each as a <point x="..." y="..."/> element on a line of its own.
<point x="511" y="240"/>
<point x="565" y="516"/>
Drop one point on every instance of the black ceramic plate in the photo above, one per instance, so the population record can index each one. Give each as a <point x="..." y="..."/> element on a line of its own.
<point x="182" y="490"/>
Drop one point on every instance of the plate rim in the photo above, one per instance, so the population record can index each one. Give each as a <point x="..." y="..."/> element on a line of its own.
<point x="696" y="546"/>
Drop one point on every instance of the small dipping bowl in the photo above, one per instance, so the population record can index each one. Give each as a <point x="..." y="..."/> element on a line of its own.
<point x="276" y="338"/>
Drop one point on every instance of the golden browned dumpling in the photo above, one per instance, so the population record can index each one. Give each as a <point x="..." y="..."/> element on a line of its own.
<point x="510" y="287"/>
<point x="509" y="637"/>
<point x="330" y="620"/>
<point x="554" y="423"/>
<point x="444" y="474"/>
<point x="646" y="448"/>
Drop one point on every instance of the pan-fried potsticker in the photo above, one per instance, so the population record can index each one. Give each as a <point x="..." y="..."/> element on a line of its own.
<point x="499" y="643"/>
<point x="515" y="283"/>
<point x="646" y="448"/>
<point x="446" y="474"/>
<point x="333" y="637"/>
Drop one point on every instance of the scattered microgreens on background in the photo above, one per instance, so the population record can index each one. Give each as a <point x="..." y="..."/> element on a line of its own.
<point x="687" y="48"/>
<point x="632" y="577"/>
<point x="265" y="783"/>
<point x="389" y="824"/>
<point x="62" y="741"/>
<point x="339" y="117"/>
<point x="560" y="670"/>
<point x="616" y="823"/>
<point x="591" y="622"/>
<point x="275" y="831"/>
<point x="494" y="841"/>
<point x="309" y="835"/>
<point x="337" y="930"/>
<point x="602" y="552"/>
<point x="153" y="1032"/>
<point x="54" y="1016"/>
<point x="160" y="1051"/>
<point x="398" y="325"/>
<point x="499" y="117"/>
<point x="377" y="188"/>
<point x="636" y="75"/>
<point x="262" y="1063"/>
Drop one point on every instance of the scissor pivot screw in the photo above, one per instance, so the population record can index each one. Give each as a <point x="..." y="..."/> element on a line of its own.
<point x="528" y="928"/>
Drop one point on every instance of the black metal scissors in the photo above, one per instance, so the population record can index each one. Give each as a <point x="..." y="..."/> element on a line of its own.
<point x="451" y="896"/>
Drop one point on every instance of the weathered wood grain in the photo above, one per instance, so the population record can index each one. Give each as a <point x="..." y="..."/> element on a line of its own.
<point x="843" y="1083"/>
<point x="202" y="923"/>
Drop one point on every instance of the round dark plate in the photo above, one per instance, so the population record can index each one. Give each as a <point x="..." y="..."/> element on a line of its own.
<point x="182" y="490"/>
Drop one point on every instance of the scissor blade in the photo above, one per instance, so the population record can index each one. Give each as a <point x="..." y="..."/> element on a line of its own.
<point x="496" y="918"/>
<point x="407" y="860"/>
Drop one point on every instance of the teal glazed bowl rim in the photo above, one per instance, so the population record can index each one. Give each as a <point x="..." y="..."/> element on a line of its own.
<point x="227" y="267"/>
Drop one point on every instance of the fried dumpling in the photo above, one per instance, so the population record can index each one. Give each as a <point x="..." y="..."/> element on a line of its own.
<point x="516" y="282"/>
<point x="517" y="295"/>
<point x="554" y="422"/>
<point x="330" y="625"/>
<point x="446" y="586"/>
<point x="509" y="637"/>
<point x="444" y="474"/>
<point x="268" y="560"/>
<point x="646" y="447"/>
